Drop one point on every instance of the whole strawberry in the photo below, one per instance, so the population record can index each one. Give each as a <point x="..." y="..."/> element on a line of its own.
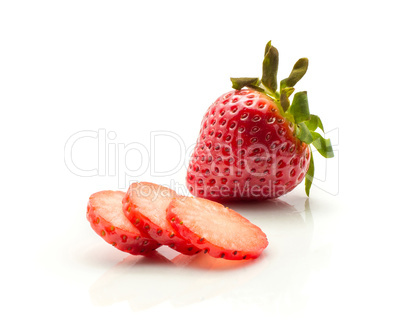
<point x="253" y="144"/>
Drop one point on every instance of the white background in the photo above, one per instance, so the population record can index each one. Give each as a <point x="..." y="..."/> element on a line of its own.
<point x="129" y="68"/>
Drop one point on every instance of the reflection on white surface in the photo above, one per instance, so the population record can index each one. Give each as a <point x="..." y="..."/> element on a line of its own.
<point x="276" y="278"/>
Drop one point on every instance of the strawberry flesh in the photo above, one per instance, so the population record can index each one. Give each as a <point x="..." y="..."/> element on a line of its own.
<point x="106" y="217"/>
<point x="145" y="206"/>
<point x="217" y="230"/>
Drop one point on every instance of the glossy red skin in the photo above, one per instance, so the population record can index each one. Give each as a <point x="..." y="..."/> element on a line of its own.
<point x="130" y="242"/>
<point x="246" y="151"/>
<point x="148" y="228"/>
<point x="205" y="245"/>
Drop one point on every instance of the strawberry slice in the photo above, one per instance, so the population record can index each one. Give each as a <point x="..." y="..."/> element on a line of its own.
<point x="217" y="230"/>
<point x="145" y="206"/>
<point x="105" y="214"/>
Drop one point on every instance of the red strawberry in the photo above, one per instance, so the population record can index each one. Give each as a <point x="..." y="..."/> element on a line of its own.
<point x="145" y="206"/>
<point x="105" y="214"/>
<point x="253" y="144"/>
<point x="217" y="230"/>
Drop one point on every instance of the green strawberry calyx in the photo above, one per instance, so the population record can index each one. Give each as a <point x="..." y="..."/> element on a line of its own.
<point x="297" y="111"/>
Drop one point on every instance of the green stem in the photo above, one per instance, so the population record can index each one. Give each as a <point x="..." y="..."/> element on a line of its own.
<point x="275" y="96"/>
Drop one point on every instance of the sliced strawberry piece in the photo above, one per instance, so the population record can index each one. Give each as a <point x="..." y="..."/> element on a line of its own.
<point x="145" y="206"/>
<point x="217" y="230"/>
<point x="105" y="214"/>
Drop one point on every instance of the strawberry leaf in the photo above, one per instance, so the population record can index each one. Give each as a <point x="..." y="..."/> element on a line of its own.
<point x="267" y="47"/>
<point x="309" y="176"/>
<point x="298" y="71"/>
<point x="299" y="108"/>
<point x="322" y="145"/>
<point x="239" y="83"/>
<point x="270" y="68"/>
<point x="285" y="94"/>
<point x="261" y="90"/>
<point x="314" y="122"/>
<point x="303" y="133"/>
